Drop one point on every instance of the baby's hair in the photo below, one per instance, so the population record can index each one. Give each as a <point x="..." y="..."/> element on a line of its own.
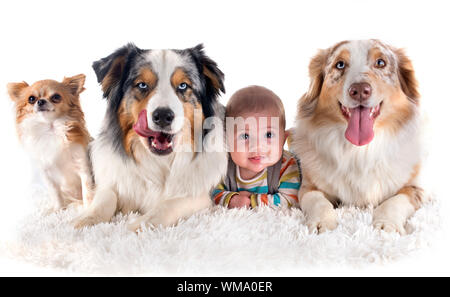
<point x="254" y="99"/>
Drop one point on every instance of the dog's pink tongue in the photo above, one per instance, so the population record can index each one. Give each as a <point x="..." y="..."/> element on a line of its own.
<point x="360" y="126"/>
<point x="159" y="140"/>
<point x="141" y="126"/>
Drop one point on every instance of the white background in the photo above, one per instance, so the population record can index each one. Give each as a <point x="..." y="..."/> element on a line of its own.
<point x="253" y="42"/>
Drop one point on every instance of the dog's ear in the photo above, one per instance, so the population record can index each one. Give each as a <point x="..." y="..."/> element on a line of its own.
<point x="110" y="70"/>
<point x="308" y="102"/>
<point x="407" y="76"/>
<point x="213" y="76"/>
<point x="15" y="90"/>
<point x="75" y="83"/>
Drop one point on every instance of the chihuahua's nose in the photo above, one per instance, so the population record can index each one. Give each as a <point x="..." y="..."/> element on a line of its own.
<point x="41" y="102"/>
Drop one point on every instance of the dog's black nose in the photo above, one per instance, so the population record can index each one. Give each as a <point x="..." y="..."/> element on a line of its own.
<point x="163" y="116"/>
<point x="41" y="102"/>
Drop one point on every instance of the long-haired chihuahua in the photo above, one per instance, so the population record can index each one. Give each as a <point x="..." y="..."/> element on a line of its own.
<point x="51" y="127"/>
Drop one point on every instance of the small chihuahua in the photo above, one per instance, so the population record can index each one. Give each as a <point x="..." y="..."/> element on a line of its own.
<point x="50" y="125"/>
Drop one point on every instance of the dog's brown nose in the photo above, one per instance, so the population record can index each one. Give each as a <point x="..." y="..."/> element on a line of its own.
<point x="360" y="91"/>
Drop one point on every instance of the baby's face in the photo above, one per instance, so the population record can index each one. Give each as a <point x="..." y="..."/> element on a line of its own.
<point x="258" y="140"/>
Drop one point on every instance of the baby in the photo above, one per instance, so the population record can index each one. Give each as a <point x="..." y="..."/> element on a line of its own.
<point x="260" y="172"/>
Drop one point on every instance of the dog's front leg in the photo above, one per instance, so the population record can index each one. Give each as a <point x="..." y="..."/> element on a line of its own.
<point x="319" y="211"/>
<point x="82" y="161"/>
<point x="391" y="215"/>
<point x="102" y="208"/>
<point x="54" y="191"/>
<point x="169" y="212"/>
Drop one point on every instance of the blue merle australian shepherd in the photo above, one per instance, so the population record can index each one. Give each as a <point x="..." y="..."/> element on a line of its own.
<point x="160" y="150"/>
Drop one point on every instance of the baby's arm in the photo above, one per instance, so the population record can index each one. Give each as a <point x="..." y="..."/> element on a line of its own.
<point x="221" y="196"/>
<point x="280" y="199"/>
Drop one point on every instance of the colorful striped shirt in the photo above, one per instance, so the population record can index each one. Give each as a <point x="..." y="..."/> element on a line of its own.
<point x="288" y="187"/>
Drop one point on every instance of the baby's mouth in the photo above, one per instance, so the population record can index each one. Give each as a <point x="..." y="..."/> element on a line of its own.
<point x="256" y="159"/>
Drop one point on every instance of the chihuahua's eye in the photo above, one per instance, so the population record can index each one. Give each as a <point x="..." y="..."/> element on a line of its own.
<point x="142" y="86"/>
<point x="244" y="136"/>
<point x="56" y="98"/>
<point x="340" y="65"/>
<point x="380" y="63"/>
<point x="269" y="135"/>
<point x="182" y="87"/>
<point x="31" y="99"/>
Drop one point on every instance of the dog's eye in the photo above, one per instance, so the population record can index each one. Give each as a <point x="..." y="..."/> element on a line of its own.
<point x="340" y="65"/>
<point x="182" y="87"/>
<point x="142" y="85"/>
<point x="380" y="63"/>
<point x="56" y="98"/>
<point x="31" y="99"/>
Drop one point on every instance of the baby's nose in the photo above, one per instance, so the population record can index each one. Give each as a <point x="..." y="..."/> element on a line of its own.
<point x="259" y="146"/>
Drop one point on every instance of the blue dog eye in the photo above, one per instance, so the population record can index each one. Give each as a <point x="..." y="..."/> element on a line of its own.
<point x="142" y="86"/>
<point x="340" y="65"/>
<point x="182" y="86"/>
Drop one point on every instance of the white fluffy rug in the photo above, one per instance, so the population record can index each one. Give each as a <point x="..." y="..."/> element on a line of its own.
<point x="216" y="242"/>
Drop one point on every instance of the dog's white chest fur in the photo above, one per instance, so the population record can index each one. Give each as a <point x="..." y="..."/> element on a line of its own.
<point x="142" y="185"/>
<point x="360" y="176"/>
<point x="45" y="140"/>
<point x="47" y="143"/>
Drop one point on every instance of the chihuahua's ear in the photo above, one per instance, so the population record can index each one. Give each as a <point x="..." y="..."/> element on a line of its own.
<point x="15" y="90"/>
<point x="110" y="69"/>
<point x="75" y="83"/>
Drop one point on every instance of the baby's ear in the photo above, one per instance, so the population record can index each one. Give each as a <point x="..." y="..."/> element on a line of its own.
<point x="15" y="90"/>
<point x="75" y="83"/>
<point x="288" y="137"/>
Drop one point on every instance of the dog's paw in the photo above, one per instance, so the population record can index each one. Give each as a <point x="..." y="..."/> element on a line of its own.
<point x="164" y="219"/>
<point x="389" y="227"/>
<point x="85" y="221"/>
<point x="137" y="225"/>
<point x="325" y="222"/>
<point x="387" y="221"/>
<point x="134" y="227"/>
<point x="74" y="205"/>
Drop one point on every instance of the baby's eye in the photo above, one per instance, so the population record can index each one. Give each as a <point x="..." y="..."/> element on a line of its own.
<point x="244" y="136"/>
<point x="269" y="135"/>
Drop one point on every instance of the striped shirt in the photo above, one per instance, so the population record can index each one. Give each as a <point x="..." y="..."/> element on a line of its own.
<point x="288" y="187"/>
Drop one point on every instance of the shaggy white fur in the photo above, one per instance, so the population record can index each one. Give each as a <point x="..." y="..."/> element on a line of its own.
<point x="216" y="242"/>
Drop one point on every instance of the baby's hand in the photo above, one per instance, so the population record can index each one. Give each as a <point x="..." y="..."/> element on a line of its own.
<point x="245" y="193"/>
<point x="238" y="201"/>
